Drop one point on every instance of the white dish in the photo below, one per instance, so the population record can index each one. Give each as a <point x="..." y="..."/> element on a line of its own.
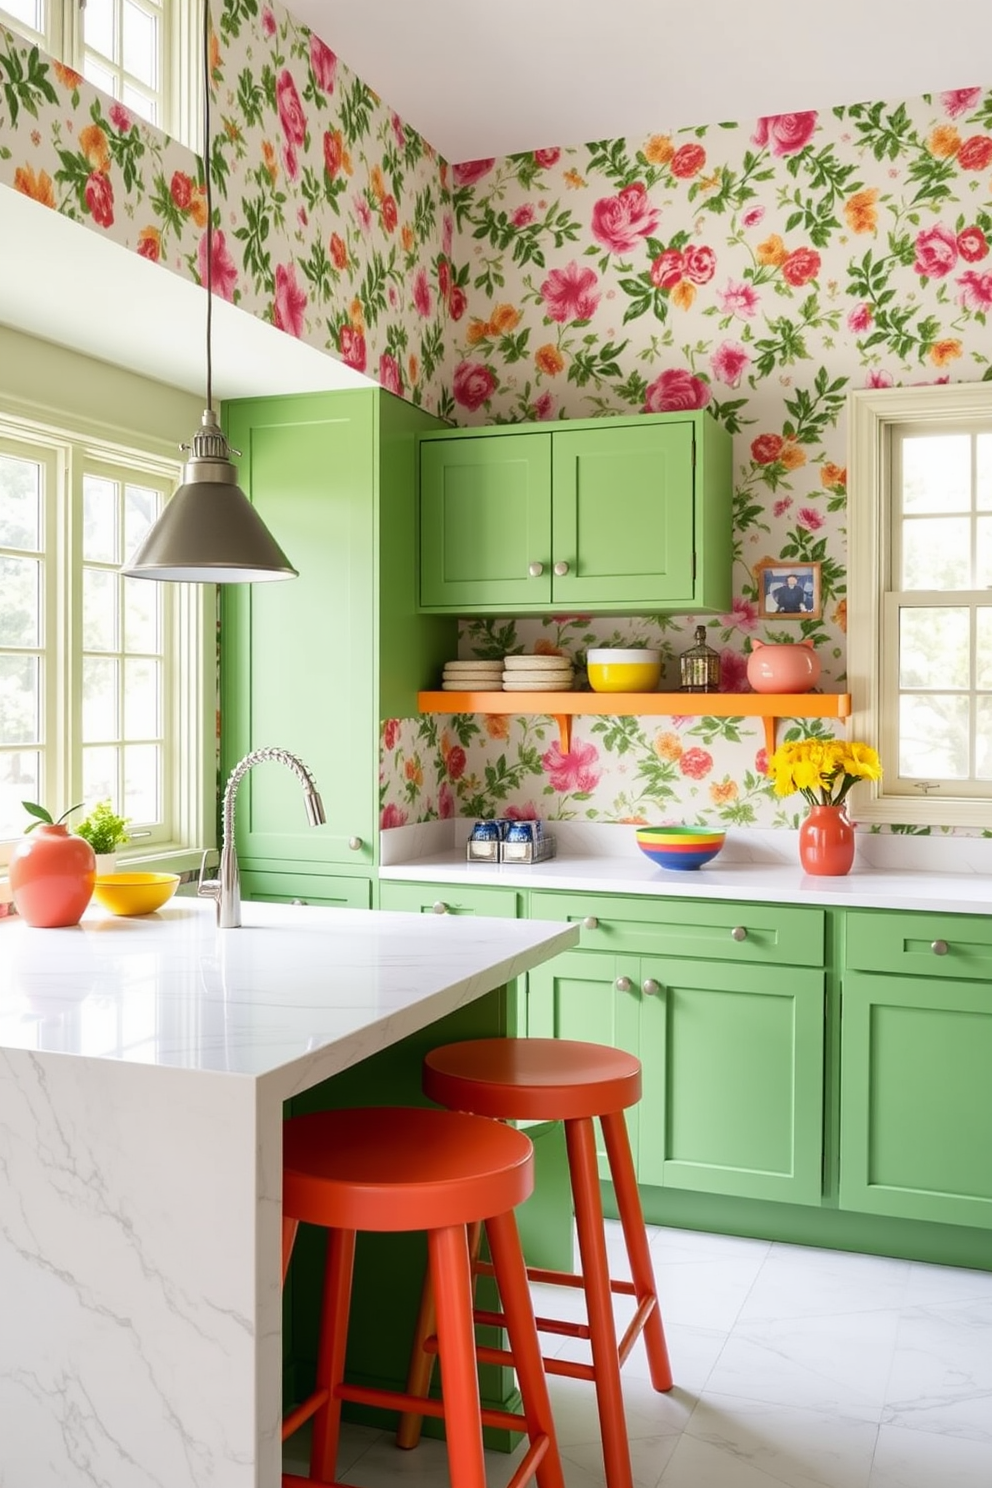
<point x="606" y="654"/>
<point x="535" y="663"/>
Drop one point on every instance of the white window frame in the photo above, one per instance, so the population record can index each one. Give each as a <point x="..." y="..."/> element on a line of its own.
<point x="873" y="413"/>
<point x="181" y="94"/>
<point x="190" y="798"/>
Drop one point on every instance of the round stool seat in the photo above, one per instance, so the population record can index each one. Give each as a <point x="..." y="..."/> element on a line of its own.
<point x="402" y="1168"/>
<point x="532" y="1078"/>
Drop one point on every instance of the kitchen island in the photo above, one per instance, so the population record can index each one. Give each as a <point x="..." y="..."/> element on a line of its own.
<point x="144" y="1069"/>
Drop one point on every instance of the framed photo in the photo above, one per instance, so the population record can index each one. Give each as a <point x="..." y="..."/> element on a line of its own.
<point x="788" y="591"/>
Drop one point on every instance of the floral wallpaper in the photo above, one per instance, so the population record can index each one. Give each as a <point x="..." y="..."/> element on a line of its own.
<point x="332" y="217"/>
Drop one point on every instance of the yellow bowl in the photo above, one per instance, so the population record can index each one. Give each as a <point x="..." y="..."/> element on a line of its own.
<point x="623" y="669"/>
<point x="135" y="893"/>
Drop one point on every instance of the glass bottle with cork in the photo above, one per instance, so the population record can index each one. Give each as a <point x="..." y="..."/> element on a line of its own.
<point x="700" y="666"/>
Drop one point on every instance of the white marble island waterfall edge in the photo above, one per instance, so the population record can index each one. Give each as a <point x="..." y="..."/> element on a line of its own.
<point x="143" y="1070"/>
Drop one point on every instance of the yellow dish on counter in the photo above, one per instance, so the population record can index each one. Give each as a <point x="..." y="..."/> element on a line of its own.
<point x="135" y="893"/>
<point x="612" y="669"/>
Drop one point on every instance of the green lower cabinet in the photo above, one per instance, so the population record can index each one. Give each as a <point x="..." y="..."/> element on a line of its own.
<point x="733" y="1079"/>
<point x="916" y="1098"/>
<point x="450" y="899"/>
<point x="321" y="889"/>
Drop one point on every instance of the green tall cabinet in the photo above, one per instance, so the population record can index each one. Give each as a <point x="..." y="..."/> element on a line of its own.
<point x="314" y="664"/>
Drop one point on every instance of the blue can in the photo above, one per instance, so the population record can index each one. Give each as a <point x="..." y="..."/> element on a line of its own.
<point x="486" y="831"/>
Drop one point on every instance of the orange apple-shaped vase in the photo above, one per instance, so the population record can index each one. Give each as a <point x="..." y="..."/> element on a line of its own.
<point x="51" y="876"/>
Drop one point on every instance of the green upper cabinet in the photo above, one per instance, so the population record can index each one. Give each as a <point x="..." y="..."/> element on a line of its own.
<point x="314" y="664"/>
<point x="612" y="516"/>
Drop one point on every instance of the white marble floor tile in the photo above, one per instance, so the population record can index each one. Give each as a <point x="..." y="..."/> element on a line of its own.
<point x="707" y="1293"/>
<point x="922" y="1459"/>
<point x="673" y="1246"/>
<point x="804" y="1448"/>
<point x="798" y="1282"/>
<point x="932" y="1285"/>
<point x="941" y="1378"/>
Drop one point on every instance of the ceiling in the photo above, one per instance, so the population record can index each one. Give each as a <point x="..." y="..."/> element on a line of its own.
<point x="488" y="79"/>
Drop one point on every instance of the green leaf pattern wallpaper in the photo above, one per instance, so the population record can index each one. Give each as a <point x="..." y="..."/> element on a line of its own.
<point x="758" y="269"/>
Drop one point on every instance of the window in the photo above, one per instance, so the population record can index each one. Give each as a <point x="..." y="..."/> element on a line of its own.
<point x="143" y="52"/>
<point x="102" y="678"/>
<point x="920" y="601"/>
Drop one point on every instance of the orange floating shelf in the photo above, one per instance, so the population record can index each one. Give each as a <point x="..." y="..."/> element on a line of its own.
<point x="564" y="706"/>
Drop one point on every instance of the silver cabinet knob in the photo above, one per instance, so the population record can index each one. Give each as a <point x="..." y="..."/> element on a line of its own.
<point x="939" y="947"/>
<point x="561" y="568"/>
<point x="590" y="923"/>
<point x="355" y="843"/>
<point x="536" y="570"/>
<point x="623" y="984"/>
<point x="439" y="907"/>
<point x="738" y="933"/>
<point x="650" y="987"/>
<point x="299" y="901"/>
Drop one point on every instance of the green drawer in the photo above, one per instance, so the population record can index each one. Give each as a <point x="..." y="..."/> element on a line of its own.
<point x="741" y="933"/>
<point x="931" y="945"/>
<point x="321" y="889"/>
<point x="455" y="899"/>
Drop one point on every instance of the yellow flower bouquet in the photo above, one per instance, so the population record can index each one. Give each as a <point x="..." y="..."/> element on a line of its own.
<point x="822" y="770"/>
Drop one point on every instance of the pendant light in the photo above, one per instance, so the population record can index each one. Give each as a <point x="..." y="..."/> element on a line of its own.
<point x="209" y="533"/>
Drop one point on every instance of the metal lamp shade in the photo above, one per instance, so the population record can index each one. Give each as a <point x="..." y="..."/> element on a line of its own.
<point x="209" y="533"/>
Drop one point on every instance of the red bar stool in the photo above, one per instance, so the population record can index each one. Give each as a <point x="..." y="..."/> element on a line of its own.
<point x="559" y="1079"/>
<point x="398" y="1168"/>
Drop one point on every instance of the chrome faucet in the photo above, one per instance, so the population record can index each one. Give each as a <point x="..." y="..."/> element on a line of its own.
<point x="226" y="887"/>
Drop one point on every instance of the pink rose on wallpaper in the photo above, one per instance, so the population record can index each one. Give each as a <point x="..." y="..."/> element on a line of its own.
<point x="443" y="278"/>
<point x="570" y="293"/>
<point x="958" y="101"/>
<point x="740" y="299"/>
<point x="391" y="816"/>
<point x="744" y="615"/>
<point x="323" y="63"/>
<point x="351" y="345"/>
<point x="936" y="251"/>
<point x="700" y="263"/>
<point x="666" y="271"/>
<point x="687" y="161"/>
<point x="809" y="518"/>
<point x="290" y="161"/>
<point x="621" y="222"/>
<point x="543" y="408"/>
<point x="223" y="270"/>
<point x="422" y="299"/>
<point x="290" y="301"/>
<point x="802" y="265"/>
<point x="457" y="302"/>
<point x="120" y="118"/>
<point x="527" y="812"/>
<point x="674" y="391"/>
<point x="733" y="672"/>
<point x="976" y="153"/>
<point x="363" y="213"/>
<point x="752" y="216"/>
<point x="445" y="801"/>
<point x="523" y="216"/>
<point x="471" y="171"/>
<point x="391" y="732"/>
<point x="781" y="506"/>
<point x="766" y="449"/>
<point x="860" y="319"/>
<point x="972" y="244"/>
<point x="291" y="115"/>
<point x="473" y="384"/>
<point x="456" y="761"/>
<point x="333" y="152"/>
<point x="390" y="213"/>
<point x="761" y="762"/>
<point x="574" y="771"/>
<point x="784" y="134"/>
<point x="99" y="196"/>
<point x="447" y="233"/>
<point x="696" y="763"/>
<point x="878" y="378"/>
<point x="547" y="158"/>
<point x="729" y="362"/>
<point x="390" y="376"/>
<point x="399" y="133"/>
<point x="268" y="23"/>
<point x="976" y="291"/>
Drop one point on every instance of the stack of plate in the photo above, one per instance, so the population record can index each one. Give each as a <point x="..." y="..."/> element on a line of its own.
<point x="537" y="674"/>
<point x="472" y="676"/>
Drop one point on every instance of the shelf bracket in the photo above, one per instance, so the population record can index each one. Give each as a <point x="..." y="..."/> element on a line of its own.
<point x="771" y="725"/>
<point x="564" y="722"/>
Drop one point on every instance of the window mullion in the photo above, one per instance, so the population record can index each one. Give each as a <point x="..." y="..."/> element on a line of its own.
<point x="66" y="705"/>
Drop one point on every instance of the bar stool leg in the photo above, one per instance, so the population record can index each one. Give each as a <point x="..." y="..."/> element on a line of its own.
<point x="511" y="1278"/>
<point x="632" y="1220"/>
<point x="418" y="1380"/>
<point x="580" y="1142"/>
<point x="289" y="1229"/>
<point x="336" y="1306"/>
<point x="451" y="1277"/>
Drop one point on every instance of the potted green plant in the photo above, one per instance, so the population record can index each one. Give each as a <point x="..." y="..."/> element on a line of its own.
<point x="105" y="832"/>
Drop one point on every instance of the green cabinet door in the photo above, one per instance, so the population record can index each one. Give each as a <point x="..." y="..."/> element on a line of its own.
<point x="485" y="521"/>
<point x="733" y="1079"/>
<point x="622" y="515"/>
<point x="320" y="889"/>
<point x="916" y="1094"/>
<point x="449" y="899"/>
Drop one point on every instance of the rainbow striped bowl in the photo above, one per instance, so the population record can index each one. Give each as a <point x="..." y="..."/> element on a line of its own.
<point x="680" y="848"/>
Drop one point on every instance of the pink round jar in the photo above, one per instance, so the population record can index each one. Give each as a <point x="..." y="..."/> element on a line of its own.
<point x="787" y="668"/>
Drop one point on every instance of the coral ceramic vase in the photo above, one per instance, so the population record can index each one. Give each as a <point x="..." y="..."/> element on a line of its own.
<point x="826" y="841"/>
<point x="51" y="876"/>
<point x="785" y="668"/>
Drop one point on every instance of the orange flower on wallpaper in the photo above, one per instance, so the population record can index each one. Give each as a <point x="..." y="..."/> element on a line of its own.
<point x="549" y="360"/>
<point x="198" y="206"/>
<point x="377" y="182"/>
<point x="339" y="253"/>
<point x="150" y="244"/>
<point x="93" y="143"/>
<point x="659" y="149"/>
<point x="477" y="331"/>
<point x="66" y="76"/>
<point x="269" y="163"/>
<point x="215" y="57"/>
<point x="504" y="319"/>
<point x="356" y="314"/>
<point x="833" y="476"/>
<point x="772" y="251"/>
<point x="944" y="142"/>
<point x="860" y="211"/>
<point x="413" y="369"/>
<point x="573" y="180"/>
<point x="683" y="294"/>
<point x="547" y="648"/>
<point x="722" y="792"/>
<point x="791" y="456"/>
<point x="840" y="615"/>
<point x="497" y="725"/>
<point x="944" y="352"/>
<point x="407" y="238"/>
<point x="413" y="771"/>
<point x="38" y="187"/>
<point x="632" y="821"/>
<point x="668" y="747"/>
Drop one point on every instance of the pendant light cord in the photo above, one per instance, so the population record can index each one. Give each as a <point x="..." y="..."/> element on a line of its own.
<point x="209" y="197"/>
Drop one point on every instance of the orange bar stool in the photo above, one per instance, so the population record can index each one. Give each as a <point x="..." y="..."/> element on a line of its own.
<point x="398" y="1168"/>
<point x="560" y="1079"/>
